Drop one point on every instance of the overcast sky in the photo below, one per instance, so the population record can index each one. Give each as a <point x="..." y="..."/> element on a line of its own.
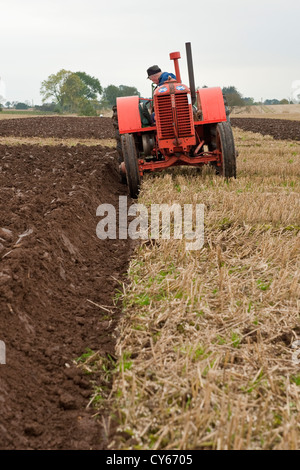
<point x="250" y="44"/>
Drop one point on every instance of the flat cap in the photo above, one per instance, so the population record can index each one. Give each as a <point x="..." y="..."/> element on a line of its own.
<point x="153" y="70"/>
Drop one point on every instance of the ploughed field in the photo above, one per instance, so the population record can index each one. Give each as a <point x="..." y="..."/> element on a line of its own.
<point x="57" y="282"/>
<point x="280" y="129"/>
<point x="63" y="127"/>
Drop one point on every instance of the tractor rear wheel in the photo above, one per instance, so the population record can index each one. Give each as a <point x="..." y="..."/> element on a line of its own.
<point x="119" y="145"/>
<point x="225" y="144"/>
<point x="131" y="164"/>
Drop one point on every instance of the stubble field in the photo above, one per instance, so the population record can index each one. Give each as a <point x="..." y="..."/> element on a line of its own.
<point x="189" y="350"/>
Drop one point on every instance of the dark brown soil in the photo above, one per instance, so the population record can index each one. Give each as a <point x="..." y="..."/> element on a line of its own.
<point x="58" y="126"/>
<point x="280" y="129"/>
<point x="53" y="270"/>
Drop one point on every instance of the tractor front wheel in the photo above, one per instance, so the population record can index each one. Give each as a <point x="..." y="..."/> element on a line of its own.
<point x="131" y="164"/>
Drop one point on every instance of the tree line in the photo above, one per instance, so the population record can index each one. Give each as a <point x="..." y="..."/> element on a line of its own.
<point x="80" y="93"/>
<point x="235" y="98"/>
<point x="75" y="92"/>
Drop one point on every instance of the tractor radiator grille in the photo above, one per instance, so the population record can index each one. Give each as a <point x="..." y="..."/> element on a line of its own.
<point x="165" y="116"/>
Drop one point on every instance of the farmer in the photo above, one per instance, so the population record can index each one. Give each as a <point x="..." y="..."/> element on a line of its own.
<point x="157" y="76"/>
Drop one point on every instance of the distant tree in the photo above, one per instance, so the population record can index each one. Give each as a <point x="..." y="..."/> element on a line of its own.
<point x="112" y="92"/>
<point x="92" y="85"/>
<point x="72" y="92"/>
<point x="88" y="108"/>
<point x="51" y="88"/>
<point x="233" y="96"/>
<point x="271" y="102"/>
<point x="0" y="107"/>
<point x="229" y="90"/>
<point x="8" y="104"/>
<point x="284" y="101"/>
<point x="48" y="107"/>
<point x="248" y="101"/>
<point x="21" y="106"/>
<point x="128" y="91"/>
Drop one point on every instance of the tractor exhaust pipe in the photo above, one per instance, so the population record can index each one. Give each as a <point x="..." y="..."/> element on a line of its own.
<point x="191" y="71"/>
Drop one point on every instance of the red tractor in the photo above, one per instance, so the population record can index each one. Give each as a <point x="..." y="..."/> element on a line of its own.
<point x="190" y="128"/>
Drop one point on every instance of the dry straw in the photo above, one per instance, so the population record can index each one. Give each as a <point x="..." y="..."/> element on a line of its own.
<point x="204" y="345"/>
<point x="41" y="141"/>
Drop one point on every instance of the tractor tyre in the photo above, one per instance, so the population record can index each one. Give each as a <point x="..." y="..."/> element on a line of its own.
<point x="225" y="143"/>
<point x="118" y="142"/>
<point x="131" y="164"/>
